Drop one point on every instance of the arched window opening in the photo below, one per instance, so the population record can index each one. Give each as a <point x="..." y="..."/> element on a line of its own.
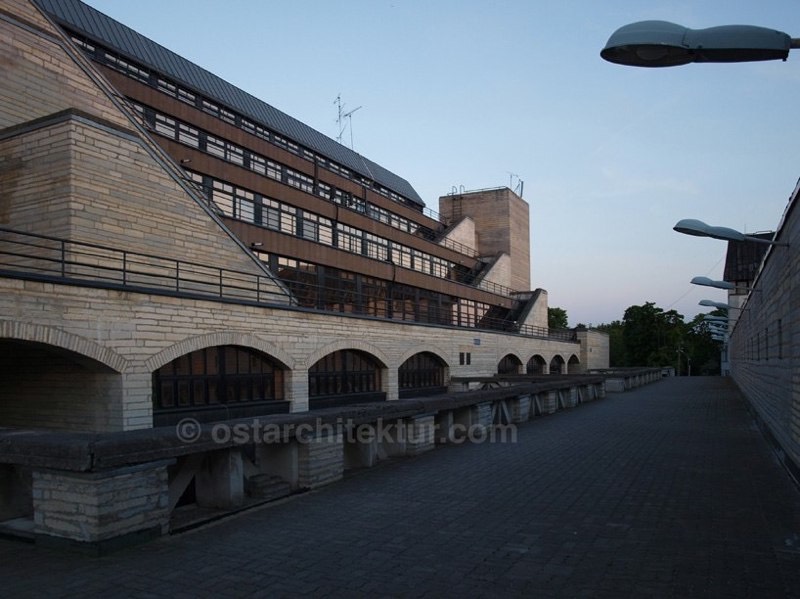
<point x="536" y="365"/>
<point x="574" y="365"/>
<point x="344" y="377"/>
<point x="217" y="383"/>
<point x="422" y="374"/>
<point x="557" y="365"/>
<point x="510" y="364"/>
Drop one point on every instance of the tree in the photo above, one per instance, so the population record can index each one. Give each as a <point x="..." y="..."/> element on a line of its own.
<point x="649" y="336"/>
<point x="616" y="344"/>
<point x="701" y="349"/>
<point x="557" y="318"/>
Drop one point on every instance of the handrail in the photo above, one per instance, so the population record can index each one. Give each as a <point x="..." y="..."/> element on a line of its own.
<point x="47" y="256"/>
<point x="43" y="257"/>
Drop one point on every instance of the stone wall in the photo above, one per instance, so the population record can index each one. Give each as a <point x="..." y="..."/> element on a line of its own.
<point x="595" y="352"/>
<point x="74" y="164"/>
<point x="96" y="506"/>
<point x="120" y="338"/>
<point x="463" y="233"/>
<point x="765" y="342"/>
<point x="502" y="224"/>
<point x="42" y="74"/>
<point x="498" y="272"/>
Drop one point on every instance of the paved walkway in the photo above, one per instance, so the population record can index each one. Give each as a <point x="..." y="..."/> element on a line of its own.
<point x="666" y="491"/>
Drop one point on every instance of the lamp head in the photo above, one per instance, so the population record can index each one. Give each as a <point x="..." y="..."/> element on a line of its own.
<point x="665" y="44"/>
<point x="692" y="226"/>
<point x="713" y="304"/>
<point x="711" y="283"/>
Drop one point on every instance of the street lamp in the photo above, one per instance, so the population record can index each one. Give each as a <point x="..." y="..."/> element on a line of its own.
<point x="710" y="318"/>
<point x="711" y="283"/>
<point x="692" y="226"/>
<point x="665" y="44"/>
<point x="713" y="304"/>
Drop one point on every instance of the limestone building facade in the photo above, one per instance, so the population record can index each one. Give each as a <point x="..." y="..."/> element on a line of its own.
<point x="172" y="246"/>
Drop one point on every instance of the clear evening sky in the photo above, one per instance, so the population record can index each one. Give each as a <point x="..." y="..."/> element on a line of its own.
<point x="474" y="94"/>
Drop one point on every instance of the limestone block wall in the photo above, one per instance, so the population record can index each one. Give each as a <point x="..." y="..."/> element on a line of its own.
<point x="40" y="77"/>
<point x="502" y="224"/>
<point x="97" y="506"/>
<point x="463" y="232"/>
<point x="765" y="342"/>
<point x="536" y="311"/>
<point x="121" y="338"/>
<point x="73" y="164"/>
<point x="75" y="178"/>
<point x="595" y="351"/>
<point x="498" y="271"/>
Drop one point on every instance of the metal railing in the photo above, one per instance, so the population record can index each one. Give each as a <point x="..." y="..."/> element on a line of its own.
<point x="45" y="258"/>
<point x="33" y="256"/>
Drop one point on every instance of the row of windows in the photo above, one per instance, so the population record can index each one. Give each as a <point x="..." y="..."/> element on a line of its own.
<point x="335" y="290"/>
<point x="184" y="95"/>
<point x="143" y="75"/>
<point x="200" y="140"/>
<point x="249" y="206"/>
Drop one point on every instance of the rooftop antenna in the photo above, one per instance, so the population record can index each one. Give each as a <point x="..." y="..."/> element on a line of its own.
<point x="520" y="183"/>
<point x="340" y="121"/>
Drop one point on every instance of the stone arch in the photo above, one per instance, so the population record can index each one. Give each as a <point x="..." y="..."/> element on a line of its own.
<point x="219" y="382"/>
<point x="536" y="365"/>
<point x="557" y="364"/>
<point x="195" y="343"/>
<point x="346" y="373"/>
<point x="422" y="373"/>
<point x="345" y="344"/>
<point x="432" y="349"/>
<point x="21" y="331"/>
<point x="511" y="363"/>
<point x="573" y="364"/>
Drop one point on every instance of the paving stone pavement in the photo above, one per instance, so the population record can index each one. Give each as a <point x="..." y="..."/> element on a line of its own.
<point x="665" y="491"/>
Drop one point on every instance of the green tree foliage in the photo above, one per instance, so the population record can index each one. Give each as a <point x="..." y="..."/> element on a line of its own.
<point x="616" y="344"/>
<point x="650" y="336"/>
<point x="701" y="349"/>
<point x="557" y="318"/>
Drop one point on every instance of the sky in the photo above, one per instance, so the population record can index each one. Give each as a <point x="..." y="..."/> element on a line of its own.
<point x="470" y="94"/>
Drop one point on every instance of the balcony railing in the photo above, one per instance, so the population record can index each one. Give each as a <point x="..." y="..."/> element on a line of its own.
<point x="44" y="258"/>
<point x="31" y="256"/>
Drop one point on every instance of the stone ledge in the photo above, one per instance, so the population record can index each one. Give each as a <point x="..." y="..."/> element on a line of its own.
<point x="95" y="452"/>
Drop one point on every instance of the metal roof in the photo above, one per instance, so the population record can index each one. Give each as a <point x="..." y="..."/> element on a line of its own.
<point x="87" y="21"/>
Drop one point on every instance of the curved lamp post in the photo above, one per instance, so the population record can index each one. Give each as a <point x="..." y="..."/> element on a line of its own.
<point x="665" y="44"/>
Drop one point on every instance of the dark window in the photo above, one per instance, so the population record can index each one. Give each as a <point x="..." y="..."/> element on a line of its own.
<point x="217" y="375"/>
<point x="345" y="372"/>
<point x="422" y="371"/>
<point x="509" y="365"/>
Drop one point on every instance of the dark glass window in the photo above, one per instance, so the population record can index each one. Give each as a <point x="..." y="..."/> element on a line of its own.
<point x="344" y="372"/>
<point x="509" y="365"/>
<point x="214" y="375"/>
<point x="421" y="371"/>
